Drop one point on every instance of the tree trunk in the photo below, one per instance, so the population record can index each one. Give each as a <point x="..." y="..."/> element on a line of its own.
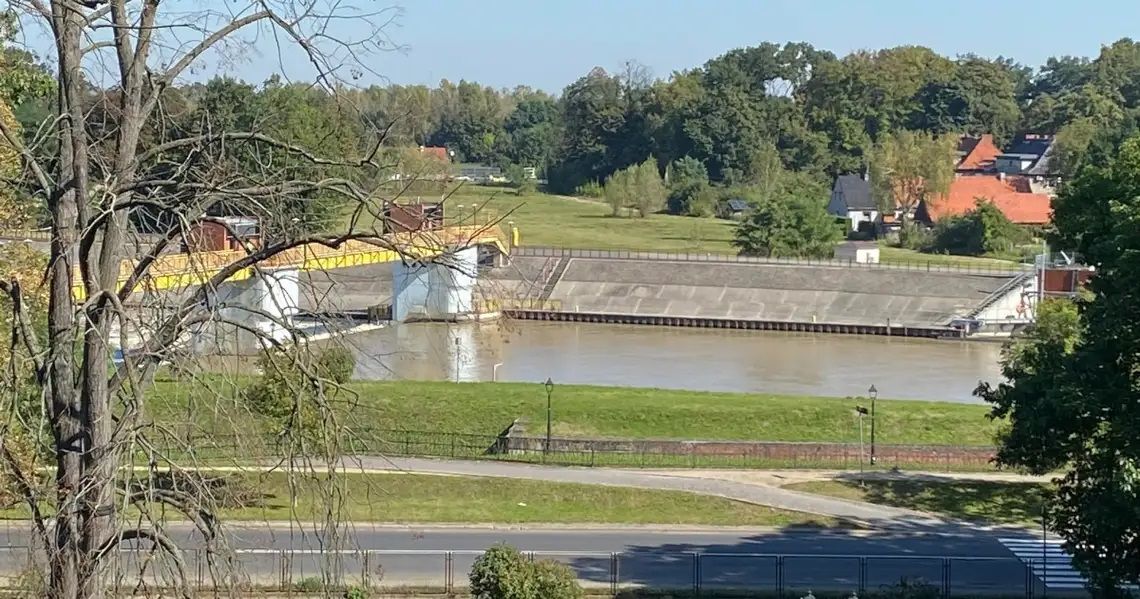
<point x="79" y="495"/>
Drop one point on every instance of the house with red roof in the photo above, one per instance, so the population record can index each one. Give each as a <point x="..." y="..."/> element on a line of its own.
<point x="976" y="155"/>
<point x="437" y="152"/>
<point x="1019" y="205"/>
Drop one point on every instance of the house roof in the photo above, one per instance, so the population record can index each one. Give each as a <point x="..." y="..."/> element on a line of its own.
<point x="1019" y="207"/>
<point x="856" y="192"/>
<point x="435" y="151"/>
<point x="977" y="154"/>
<point x="1035" y="147"/>
<point x="737" y="205"/>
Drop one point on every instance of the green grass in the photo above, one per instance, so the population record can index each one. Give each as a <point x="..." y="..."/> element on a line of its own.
<point x="584" y="223"/>
<point x="898" y="255"/>
<point x="414" y="498"/>
<point x="992" y="502"/>
<point x="560" y="221"/>
<point x="422" y="498"/>
<point x="614" y="412"/>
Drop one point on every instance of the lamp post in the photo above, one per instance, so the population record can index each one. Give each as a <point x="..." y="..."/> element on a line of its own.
<point x="862" y="412"/>
<point x="549" y="384"/>
<point x="874" y="393"/>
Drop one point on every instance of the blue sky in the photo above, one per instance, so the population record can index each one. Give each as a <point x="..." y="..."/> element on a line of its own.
<point x="549" y="43"/>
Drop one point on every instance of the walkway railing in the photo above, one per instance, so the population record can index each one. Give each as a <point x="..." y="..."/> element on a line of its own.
<point x="624" y="453"/>
<point x="699" y="573"/>
<point x="997" y="269"/>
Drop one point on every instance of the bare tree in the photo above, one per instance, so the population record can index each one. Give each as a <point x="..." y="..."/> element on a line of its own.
<point x="103" y="171"/>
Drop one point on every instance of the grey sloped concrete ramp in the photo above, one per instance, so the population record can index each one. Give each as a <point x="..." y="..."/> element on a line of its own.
<point x="833" y="294"/>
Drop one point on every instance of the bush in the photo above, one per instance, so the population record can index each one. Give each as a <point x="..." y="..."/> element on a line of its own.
<point x="590" y="189"/>
<point x="294" y="381"/>
<point x="504" y="573"/>
<point x="336" y="364"/>
<point x="554" y="580"/>
<point x="501" y="573"/>
<point x="983" y="230"/>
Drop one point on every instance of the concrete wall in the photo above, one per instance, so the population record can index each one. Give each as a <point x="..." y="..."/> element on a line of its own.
<point x="768" y="292"/>
<point x="440" y="289"/>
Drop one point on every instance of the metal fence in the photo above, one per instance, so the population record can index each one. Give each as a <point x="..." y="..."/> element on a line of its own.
<point x="612" y="452"/>
<point x="668" y="454"/>
<point x="982" y="268"/>
<point x="707" y="574"/>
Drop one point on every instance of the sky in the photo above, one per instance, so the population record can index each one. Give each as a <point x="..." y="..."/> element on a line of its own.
<point x="547" y="44"/>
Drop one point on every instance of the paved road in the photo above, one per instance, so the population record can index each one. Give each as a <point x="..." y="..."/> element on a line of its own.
<point x="737" y="559"/>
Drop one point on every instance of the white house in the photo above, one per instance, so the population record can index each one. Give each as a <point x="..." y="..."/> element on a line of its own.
<point x="851" y="199"/>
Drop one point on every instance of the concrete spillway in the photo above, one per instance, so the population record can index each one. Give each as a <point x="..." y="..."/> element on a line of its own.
<point x="799" y="293"/>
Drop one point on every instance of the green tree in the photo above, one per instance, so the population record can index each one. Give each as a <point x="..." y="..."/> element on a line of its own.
<point x="908" y="167"/>
<point x="648" y="189"/>
<point x="618" y="191"/>
<point x="787" y="224"/>
<point x="980" y="97"/>
<point x="1071" y="399"/>
<point x="983" y="230"/>
<point x="593" y="114"/>
<point x="688" y="179"/>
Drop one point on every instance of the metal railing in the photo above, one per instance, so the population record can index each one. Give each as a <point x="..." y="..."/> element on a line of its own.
<point x="707" y="574"/>
<point x="619" y="453"/>
<point x="996" y="269"/>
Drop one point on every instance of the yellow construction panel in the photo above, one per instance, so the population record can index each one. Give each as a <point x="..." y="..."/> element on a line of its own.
<point x="176" y="271"/>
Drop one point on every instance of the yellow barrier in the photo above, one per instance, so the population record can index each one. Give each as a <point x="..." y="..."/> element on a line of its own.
<point x="175" y="271"/>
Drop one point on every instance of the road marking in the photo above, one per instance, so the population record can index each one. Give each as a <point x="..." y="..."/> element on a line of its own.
<point x="1049" y="561"/>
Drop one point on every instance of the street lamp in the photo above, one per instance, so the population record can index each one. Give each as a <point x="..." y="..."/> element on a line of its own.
<point x="862" y="412"/>
<point x="874" y="393"/>
<point x="549" y="384"/>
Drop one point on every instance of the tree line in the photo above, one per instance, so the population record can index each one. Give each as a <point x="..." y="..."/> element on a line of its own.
<point x="729" y="122"/>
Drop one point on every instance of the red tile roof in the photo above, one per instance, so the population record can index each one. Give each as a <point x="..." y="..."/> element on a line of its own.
<point x="436" y="151"/>
<point x="1021" y="208"/>
<point x="980" y="156"/>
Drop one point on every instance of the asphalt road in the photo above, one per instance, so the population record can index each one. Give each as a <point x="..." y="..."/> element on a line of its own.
<point x="833" y="560"/>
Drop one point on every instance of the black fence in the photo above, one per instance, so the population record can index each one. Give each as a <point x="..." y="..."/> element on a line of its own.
<point x="626" y="453"/>
<point x="704" y="574"/>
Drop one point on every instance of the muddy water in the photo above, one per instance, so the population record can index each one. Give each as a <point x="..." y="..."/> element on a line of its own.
<point x="699" y="359"/>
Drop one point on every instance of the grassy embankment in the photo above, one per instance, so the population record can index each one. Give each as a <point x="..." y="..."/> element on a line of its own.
<point x="586" y="411"/>
<point x="560" y="221"/>
<point x="994" y="502"/>
<point x="421" y="498"/>
<point x="412" y="498"/>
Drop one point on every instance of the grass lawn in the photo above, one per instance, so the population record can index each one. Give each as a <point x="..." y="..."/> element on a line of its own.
<point x="560" y="221"/>
<point x="586" y="411"/>
<point x="992" y="502"/>
<point x="897" y="255"/>
<point x="407" y="498"/>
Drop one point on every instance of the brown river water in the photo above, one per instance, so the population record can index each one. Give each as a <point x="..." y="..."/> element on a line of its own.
<point x="678" y="358"/>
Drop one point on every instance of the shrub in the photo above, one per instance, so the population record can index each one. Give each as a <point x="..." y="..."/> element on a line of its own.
<point x="336" y="364"/>
<point x="292" y="385"/>
<point x="504" y="573"/>
<point x="310" y="584"/>
<point x="590" y="189"/>
<point x="554" y="580"/>
<point x="983" y="230"/>
<point x="501" y="573"/>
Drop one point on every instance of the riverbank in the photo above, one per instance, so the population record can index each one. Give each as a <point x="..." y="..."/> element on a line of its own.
<point x="582" y="412"/>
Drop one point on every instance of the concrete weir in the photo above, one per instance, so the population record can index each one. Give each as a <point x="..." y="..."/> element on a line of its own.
<point x="826" y="298"/>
